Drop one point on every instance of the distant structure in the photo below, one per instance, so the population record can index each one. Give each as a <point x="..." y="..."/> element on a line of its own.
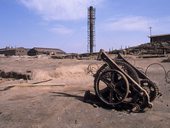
<point x="158" y="45"/>
<point x="20" y="51"/>
<point x="91" y="29"/>
<point x="160" y="38"/>
<point x="48" y="51"/>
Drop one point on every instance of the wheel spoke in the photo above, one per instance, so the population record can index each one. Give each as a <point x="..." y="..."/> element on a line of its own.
<point x="119" y="95"/>
<point x="105" y="92"/>
<point x="111" y="96"/>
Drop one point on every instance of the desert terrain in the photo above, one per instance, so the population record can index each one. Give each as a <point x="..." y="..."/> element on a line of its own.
<point x="54" y="97"/>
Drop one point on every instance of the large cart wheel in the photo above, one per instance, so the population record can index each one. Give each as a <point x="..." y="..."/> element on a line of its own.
<point x="111" y="87"/>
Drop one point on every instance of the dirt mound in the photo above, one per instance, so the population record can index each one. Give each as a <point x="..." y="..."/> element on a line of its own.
<point x="40" y="74"/>
<point x="68" y="74"/>
<point x="73" y="71"/>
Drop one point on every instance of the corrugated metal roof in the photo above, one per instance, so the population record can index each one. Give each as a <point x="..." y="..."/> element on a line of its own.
<point x="159" y="35"/>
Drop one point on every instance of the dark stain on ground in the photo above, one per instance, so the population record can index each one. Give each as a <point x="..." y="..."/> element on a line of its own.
<point x="7" y="88"/>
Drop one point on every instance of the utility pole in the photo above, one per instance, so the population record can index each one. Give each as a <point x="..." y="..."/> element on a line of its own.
<point x="150" y="31"/>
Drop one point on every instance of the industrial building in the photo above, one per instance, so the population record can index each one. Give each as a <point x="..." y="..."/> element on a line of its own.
<point x="14" y="51"/>
<point x="49" y="51"/>
<point x="159" y="44"/>
<point x="20" y="51"/>
<point x="160" y="38"/>
<point x="2" y="50"/>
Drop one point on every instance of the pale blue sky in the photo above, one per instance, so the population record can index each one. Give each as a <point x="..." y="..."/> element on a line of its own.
<point x="63" y="23"/>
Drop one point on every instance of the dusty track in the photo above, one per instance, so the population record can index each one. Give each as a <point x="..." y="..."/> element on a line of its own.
<point x="56" y="106"/>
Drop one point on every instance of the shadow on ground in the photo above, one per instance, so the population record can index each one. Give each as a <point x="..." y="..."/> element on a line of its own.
<point x="93" y="100"/>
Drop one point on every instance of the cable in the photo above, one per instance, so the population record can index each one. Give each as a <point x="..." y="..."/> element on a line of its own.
<point x="92" y="68"/>
<point x="166" y="73"/>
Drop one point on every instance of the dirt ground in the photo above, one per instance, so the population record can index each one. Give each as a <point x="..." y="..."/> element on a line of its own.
<point x="54" y="96"/>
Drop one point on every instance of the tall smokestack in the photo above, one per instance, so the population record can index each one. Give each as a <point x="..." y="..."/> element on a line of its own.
<point x="91" y="28"/>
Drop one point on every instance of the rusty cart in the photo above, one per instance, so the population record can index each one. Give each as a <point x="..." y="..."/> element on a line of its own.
<point x="117" y="81"/>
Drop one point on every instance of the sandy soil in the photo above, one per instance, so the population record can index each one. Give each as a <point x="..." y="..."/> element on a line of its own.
<point x="58" y="101"/>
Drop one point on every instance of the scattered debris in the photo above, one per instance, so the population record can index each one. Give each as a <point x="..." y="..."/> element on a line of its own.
<point x="167" y="59"/>
<point x="42" y="81"/>
<point x="152" y="56"/>
<point x="14" y="75"/>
